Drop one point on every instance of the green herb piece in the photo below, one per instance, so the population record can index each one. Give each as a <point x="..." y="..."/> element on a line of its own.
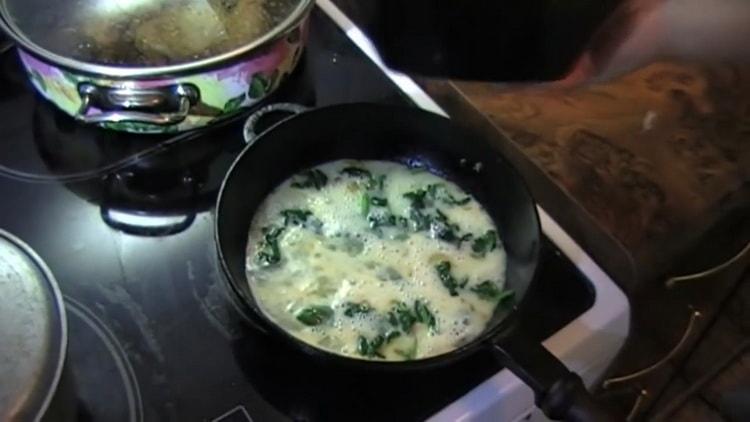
<point x="447" y="279"/>
<point x="485" y="243"/>
<point x="391" y="335"/>
<point x="403" y="317"/>
<point x="378" y="201"/>
<point x="417" y="198"/>
<point x="465" y="238"/>
<point x="424" y="315"/>
<point x="364" y="204"/>
<point x="351" y="308"/>
<point x="487" y="290"/>
<point x="312" y="178"/>
<point x="269" y="252"/>
<point x="439" y="192"/>
<point x="420" y="221"/>
<point x="295" y="217"/>
<point x="443" y="229"/>
<point x="356" y="172"/>
<point x="314" y="315"/>
<point x="387" y="220"/>
<point x="370" y="348"/>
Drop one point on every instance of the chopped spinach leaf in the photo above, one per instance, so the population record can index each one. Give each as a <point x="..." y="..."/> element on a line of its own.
<point x="370" y="348"/>
<point x="449" y="281"/>
<point x="295" y="217"/>
<point x="314" y="315"/>
<point x="417" y="198"/>
<point x="487" y="290"/>
<point x="391" y="335"/>
<point x="356" y="172"/>
<point x="465" y="238"/>
<point x="403" y="317"/>
<point x="269" y="252"/>
<point x="364" y="204"/>
<point x="485" y="243"/>
<point x="424" y="315"/>
<point x="420" y="221"/>
<point x="312" y="178"/>
<point x="439" y="192"/>
<point x="382" y="220"/>
<point x="351" y="308"/>
<point x="443" y="229"/>
<point x="386" y="220"/>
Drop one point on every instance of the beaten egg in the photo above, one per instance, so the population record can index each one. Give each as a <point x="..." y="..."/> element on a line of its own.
<point x="376" y="260"/>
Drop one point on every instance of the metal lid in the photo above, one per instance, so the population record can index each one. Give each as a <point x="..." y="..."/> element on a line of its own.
<point x="33" y="332"/>
<point x="145" y="33"/>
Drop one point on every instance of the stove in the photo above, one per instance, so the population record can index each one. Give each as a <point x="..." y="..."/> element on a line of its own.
<point x="125" y="222"/>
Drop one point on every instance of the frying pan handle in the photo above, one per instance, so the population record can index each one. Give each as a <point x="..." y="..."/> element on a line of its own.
<point x="558" y="392"/>
<point x="250" y="130"/>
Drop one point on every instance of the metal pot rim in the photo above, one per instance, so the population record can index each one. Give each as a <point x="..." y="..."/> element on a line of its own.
<point x="279" y="31"/>
<point x="60" y="304"/>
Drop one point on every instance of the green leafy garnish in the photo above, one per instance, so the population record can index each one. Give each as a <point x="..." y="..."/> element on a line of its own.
<point x="312" y="178"/>
<point x="487" y="290"/>
<point x="391" y="335"/>
<point x="439" y="192"/>
<point x="386" y="220"/>
<point x="314" y="315"/>
<point x="420" y="221"/>
<point x="402" y="316"/>
<point x="356" y="172"/>
<point x="424" y="315"/>
<point x="268" y="249"/>
<point x="351" y="308"/>
<point x="443" y="229"/>
<point x="364" y="204"/>
<point x="295" y="217"/>
<point x="370" y="348"/>
<point x="449" y="281"/>
<point x="485" y="243"/>
<point x="417" y="198"/>
<point x="465" y="238"/>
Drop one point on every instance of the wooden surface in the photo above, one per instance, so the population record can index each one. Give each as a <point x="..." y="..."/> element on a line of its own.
<point x="726" y="340"/>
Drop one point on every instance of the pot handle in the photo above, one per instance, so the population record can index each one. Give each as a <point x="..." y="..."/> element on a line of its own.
<point x="558" y="392"/>
<point x="250" y="130"/>
<point x="133" y="104"/>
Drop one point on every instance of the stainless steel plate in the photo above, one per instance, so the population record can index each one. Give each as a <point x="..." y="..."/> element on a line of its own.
<point x="33" y="332"/>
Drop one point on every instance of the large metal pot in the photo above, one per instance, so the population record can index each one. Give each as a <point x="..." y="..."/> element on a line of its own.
<point x="156" y="66"/>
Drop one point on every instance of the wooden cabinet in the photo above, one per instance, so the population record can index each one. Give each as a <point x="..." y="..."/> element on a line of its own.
<point x="684" y="330"/>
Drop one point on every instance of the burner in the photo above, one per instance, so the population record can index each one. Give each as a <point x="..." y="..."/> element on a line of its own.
<point x="103" y="378"/>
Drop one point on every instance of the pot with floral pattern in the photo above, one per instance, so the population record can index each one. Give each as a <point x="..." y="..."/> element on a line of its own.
<point x="156" y="66"/>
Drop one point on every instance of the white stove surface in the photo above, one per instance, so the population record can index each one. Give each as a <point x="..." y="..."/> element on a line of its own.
<point x="588" y="345"/>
